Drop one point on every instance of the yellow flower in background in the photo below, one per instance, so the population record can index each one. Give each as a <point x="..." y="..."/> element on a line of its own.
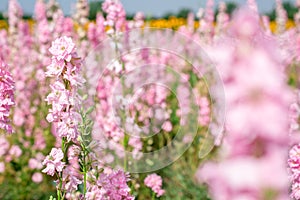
<point x="3" y="24"/>
<point x="172" y="23"/>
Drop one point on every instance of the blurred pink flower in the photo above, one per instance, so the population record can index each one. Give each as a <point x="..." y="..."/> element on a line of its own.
<point x="37" y="177"/>
<point x="154" y="182"/>
<point x="246" y="176"/>
<point x="116" y="15"/>
<point x="34" y="164"/>
<point x="167" y="126"/>
<point x="257" y="101"/>
<point x="15" y="151"/>
<point x="4" y="144"/>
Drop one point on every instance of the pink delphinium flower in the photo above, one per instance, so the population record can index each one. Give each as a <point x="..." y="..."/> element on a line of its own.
<point x="4" y="47"/>
<point x="294" y="167"/>
<point x="37" y="177"/>
<point x="222" y="18"/>
<point x="6" y="97"/>
<point x="82" y="12"/>
<point x="71" y="179"/>
<point x="116" y="15"/>
<point x="64" y="99"/>
<point x="40" y="10"/>
<point x="257" y="125"/>
<point x="294" y="113"/>
<point x="96" y="32"/>
<point x="15" y="13"/>
<point x="204" y="113"/>
<point x="154" y="182"/>
<point x="247" y="177"/>
<point x="64" y="115"/>
<point x="294" y="160"/>
<point x="281" y="17"/>
<point x="167" y="126"/>
<point x="111" y="185"/>
<point x="81" y="18"/>
<point x="115" y="185"/>
<point x="206" y="23"/>
<point x="4" y="145"/>
<point x="252" y="5"/>
<point x="53" y="162"/>
<point x="62" y="49"/>
<point x="295" y="193"/>
<point x="139" y="20"/>
<point x="34" y="163"/>
<point x="15" y="151"/>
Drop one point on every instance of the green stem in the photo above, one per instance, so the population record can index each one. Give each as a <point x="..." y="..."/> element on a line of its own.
<point x="60" y="195"/>
<point x="84" y="173"/>
<point x="153" y="195"/>
<point x="58" y="191"/>
<point x="84" y="183"/>
<point x="125" y="157"/>
<point x="123" y="117"/>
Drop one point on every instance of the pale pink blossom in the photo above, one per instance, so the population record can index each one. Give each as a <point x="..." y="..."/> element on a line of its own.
<point x="154" y="182"/>
<point x="37" y="177"/>
<point x="111" y="185"/>
<point x="53" y="162"/>
<point x="15" y="151"/>
<point x="34" y="164"/>
<point x="62" y="48"/>
<point x="167" y="126"/>
<point x="4" y="146"/>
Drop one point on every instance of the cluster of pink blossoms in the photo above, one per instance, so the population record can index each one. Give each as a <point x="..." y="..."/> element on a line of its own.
<point x="110" y="186"/>
<point x="54" y="162"/>
<point x="6" y="97"/>
<point x="294" y="165"/>
<point x="154" y="182"/>
<point x="64" y="99"/>
<point x="116" y="15"/>
<point x="257" y="126"/>
<point x="96" y="32"/>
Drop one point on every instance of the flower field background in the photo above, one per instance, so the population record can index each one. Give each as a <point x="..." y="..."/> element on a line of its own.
<point x="203" y="107"/>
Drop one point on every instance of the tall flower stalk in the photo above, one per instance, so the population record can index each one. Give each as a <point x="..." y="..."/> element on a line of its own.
<point x="6" y="97"/>
<point x="65" y="102"/>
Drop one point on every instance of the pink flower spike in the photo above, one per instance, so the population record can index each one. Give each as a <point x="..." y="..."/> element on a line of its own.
<point x="154" y="182"/>
<point x="6" y="97"/>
